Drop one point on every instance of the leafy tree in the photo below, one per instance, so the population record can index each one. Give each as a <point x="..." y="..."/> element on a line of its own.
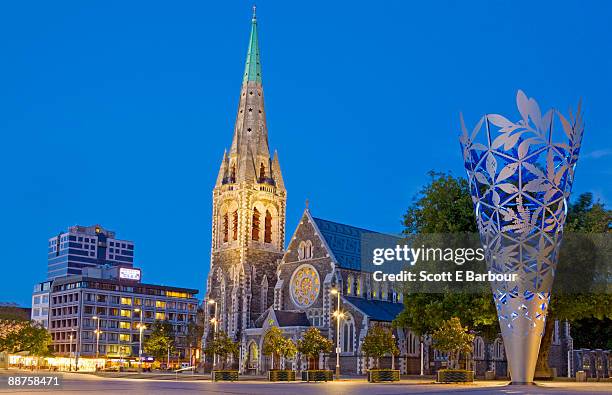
<point x="454" y="339"/>
<point x="19" y="336"/>
<point x="444" y="206"/>
<point x="277" y="345"/>
<point x="312" y="344"/>
<point x="378" y="342"/>
<point x="195" y="332"/>
<point x="586" y="220"/>
<point x="160" y="341"/>
<point x="222" y="346"/>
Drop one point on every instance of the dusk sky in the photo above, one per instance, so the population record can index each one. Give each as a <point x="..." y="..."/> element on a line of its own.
<point x="118" y="113"/>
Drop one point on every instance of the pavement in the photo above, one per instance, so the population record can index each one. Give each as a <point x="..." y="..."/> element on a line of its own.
<point x="75" y="383"/>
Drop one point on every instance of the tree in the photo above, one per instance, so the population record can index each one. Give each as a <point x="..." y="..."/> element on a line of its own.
<point x="222" y="346"/>
<point x="454" y="339"/>
<point x="444" y="206"/>
<point x="586" y="220"/>
<point x="378" y="342"/>
<point x="277" y="345"/>
<point x="195" y="332"/>
<point x="20" y="336"/>
<point x="312" y="344"/>
<point x="161" y="340"/>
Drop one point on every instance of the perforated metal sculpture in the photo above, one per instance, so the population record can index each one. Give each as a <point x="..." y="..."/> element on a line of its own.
<point x="520" y="176"/>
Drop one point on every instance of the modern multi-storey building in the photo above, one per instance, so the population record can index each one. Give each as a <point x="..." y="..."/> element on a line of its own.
<point x="40" y="303"/>
<point x="86" y="246"/>
<point x="101" y="312"/>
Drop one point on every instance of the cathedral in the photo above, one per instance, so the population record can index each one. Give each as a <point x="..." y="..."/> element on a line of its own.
<point x="254" y="282"/>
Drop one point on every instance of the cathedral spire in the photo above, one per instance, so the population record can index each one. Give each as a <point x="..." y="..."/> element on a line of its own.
<point x="252" y="69"/>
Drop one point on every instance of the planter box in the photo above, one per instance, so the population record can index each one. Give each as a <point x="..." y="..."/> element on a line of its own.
<point x="317" y="375"/>
<point x="281" y="375"/>
<point x="224" y="375"/>
<point x="455" y="376"/>
<point x="383" y="375"/>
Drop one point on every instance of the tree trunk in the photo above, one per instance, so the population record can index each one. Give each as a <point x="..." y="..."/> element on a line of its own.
<point x="542" y="363"/>
<point x="377" y="361"/>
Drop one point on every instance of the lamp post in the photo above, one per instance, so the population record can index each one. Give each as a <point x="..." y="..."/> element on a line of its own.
<point x="393" y="354"/>
<point x="70" y="354"/>
<point x="338" y="315"/>
<point x="97" y="332"/>
<point x="215" y="322"/>
<point x="141" y="327"/>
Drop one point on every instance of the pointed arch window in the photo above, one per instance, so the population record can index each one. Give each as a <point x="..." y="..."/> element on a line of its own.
<point x="348" y="335"/>
<point x="235" y="225"/>
<point x="255" y="225"/>
<point x="349" y="285"/>
<point x="233" y="173"/>
<point x="262" y="172"/>
<point x="225" y="228"/>
<point x="268" y="227"/>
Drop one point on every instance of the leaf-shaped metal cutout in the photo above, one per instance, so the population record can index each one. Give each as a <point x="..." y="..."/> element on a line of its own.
<point x="499" y="120"/>
<point x="507" y="171"/>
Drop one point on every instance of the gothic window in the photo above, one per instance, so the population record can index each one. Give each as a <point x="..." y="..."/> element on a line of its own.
<point x="262" y="172"/>
<point x="305" y="250"/>
<point x="235" y="225"/>
<point x="233" y="173"/>
<point x="412" y="344"/>
<point x="498" y="349"/>
<point x="479" y="348"/>
<point x="225" y="228"/>
<point x="348" y="335"/>
<point x="349" y="285"/>
<point x="253" y="355"/>
<point x="255" y="225"/>
<point x="358" y="287"/>
<point x="384" y="293"/>
<point x="268" y="228"/>
<point x="375" y="290"/>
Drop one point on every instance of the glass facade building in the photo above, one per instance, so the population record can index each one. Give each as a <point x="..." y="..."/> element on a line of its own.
<point x="86" y="247"/>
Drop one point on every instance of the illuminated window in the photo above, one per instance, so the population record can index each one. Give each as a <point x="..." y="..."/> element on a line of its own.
<point x="268" y="228"/>
<point x="358" y="287"/>
<point x="124" y="325"/>
<point x="235" y="225"/>
<point x="127" y="301"/>
<point x="349" y="285"/>
<point x="160" y="304"/>
<point x="160" y="316"/>
<point x="126" y="313"/>
<point x="255" y="225"/>
<point x="124" y="337"/>
<point x="174" y="294"/>
<point x="225" y="228"/>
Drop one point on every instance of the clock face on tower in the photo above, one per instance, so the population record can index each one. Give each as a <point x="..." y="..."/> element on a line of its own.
<point x="305" y="286"/>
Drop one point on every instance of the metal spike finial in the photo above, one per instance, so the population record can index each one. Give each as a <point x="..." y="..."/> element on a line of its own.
<point x="254" y="11"/>
<point x="307" y="202"/>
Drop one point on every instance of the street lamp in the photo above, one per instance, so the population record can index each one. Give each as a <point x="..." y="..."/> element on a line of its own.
<point x="70" y="354"/>
<point x="97" y="332"/>
<point x="141" y="327"/>
<point x="215" y="322"/>
<point x="338" y="314"/>
<point x="393" y="354"/>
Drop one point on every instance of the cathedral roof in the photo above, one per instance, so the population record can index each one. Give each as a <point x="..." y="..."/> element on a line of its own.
<point x="377" y="310"/>
<point x="345" y="242"/>
<point x="284" y="318"/>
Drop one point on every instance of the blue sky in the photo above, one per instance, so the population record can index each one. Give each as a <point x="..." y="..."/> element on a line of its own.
<point x="118" y="112"/>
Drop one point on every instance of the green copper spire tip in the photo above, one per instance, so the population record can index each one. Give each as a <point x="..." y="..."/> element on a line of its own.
<point x="252" y="69"/>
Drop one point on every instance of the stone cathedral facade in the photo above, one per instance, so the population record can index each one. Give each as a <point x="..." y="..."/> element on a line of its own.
<point x="254" y="282"/>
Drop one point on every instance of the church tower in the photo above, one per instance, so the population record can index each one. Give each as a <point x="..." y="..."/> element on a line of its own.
<point x="249" y="202"/>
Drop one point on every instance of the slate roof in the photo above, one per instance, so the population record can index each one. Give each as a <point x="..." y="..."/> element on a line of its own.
<point x="285" y="318"/>
<point x="377" y="310"/>
<point x="344" y="241"/>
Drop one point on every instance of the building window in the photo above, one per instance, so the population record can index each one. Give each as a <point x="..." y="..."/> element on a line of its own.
<point x="348" y="335"/>
<point x="160" y="304"/>
<point x="160" y="316"/>
<point x="126" y="313"/>
<point x="124" y="337"/>
<point x="268" y="228"/>
<point x="255" y="225"/>
<point x="124" y="325"/>
<point x="349" y="285"/>
<point x="262" y="172"/>
<point x="498" y="349"/>
<point x="358" y="287"/>
<point x="225" y="228"/>
<point x="126" y="301"/>
<point x="479" y="348"/>
<point x="235" y="225"/>
<point x="413" y="344"/>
